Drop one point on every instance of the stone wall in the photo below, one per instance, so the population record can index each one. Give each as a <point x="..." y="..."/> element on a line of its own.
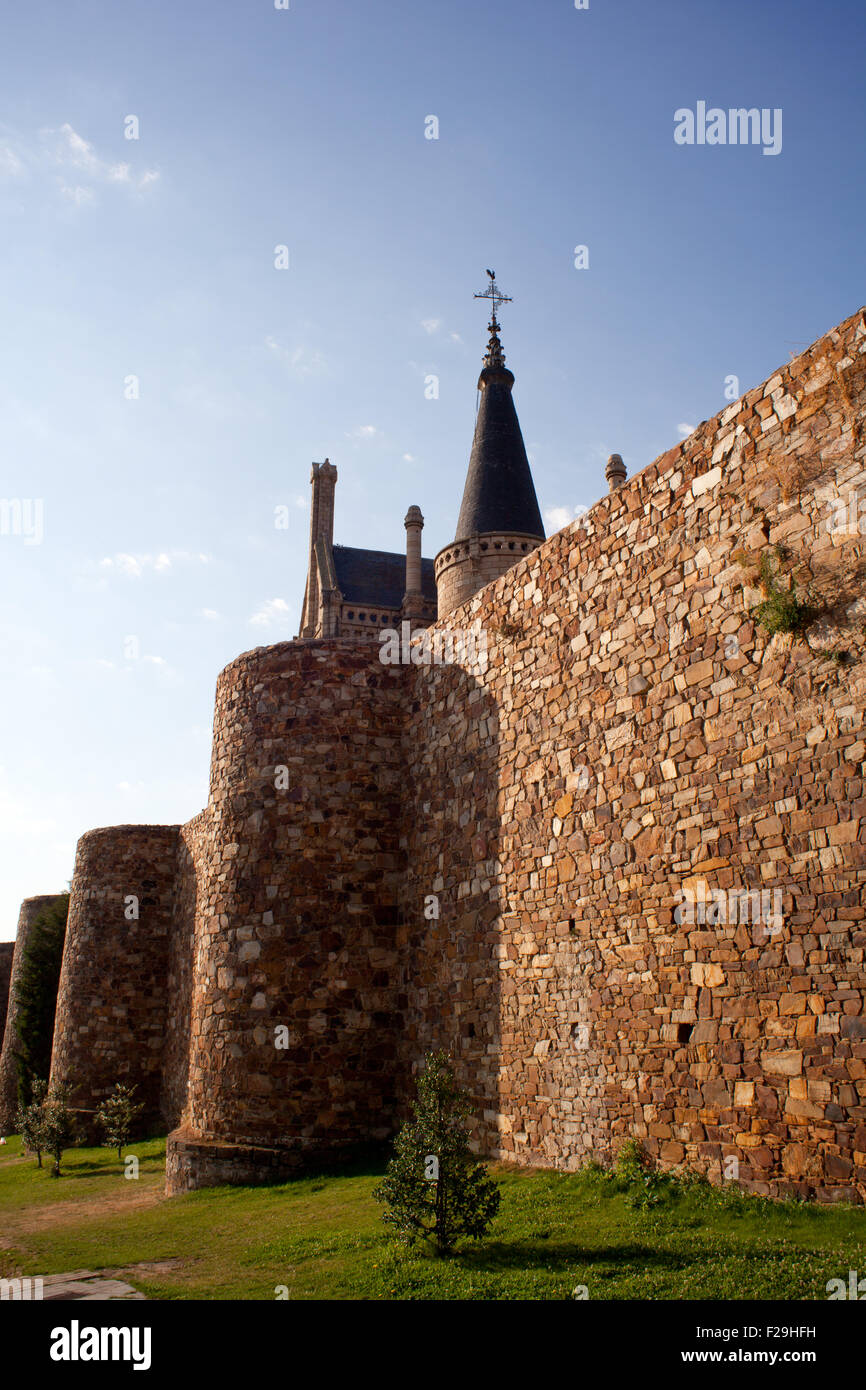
<point x="30" y="909"/>
<point x="637" y="733"/>
<point x="293" y="1028"/>
<point x="112" y="998"/>
<point x="495" y="858"/>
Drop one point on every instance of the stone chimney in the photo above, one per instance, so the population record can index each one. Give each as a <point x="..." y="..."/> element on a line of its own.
<point x="615" y="472"/>
<point x="413" y="599"/>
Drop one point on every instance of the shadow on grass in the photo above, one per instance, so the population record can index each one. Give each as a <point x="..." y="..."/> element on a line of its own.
<point x="563" y="1256"/>
<point x="90" y="1168"/>
<point x="83" y="1168"/>
<point x="314" y="1180"/>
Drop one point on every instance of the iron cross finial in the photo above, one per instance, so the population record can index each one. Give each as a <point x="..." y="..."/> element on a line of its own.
<point x="495" y="295"/>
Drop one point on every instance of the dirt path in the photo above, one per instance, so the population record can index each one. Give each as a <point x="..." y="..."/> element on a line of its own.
<point x="37" y="1218"/>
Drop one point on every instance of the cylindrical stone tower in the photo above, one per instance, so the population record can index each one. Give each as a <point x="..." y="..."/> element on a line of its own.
<point x="112" y="1000"/>
<point x="293" y="1033"/>
<point x="30" y="909"/>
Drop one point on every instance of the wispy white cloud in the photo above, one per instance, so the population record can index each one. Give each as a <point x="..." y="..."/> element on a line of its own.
<point x="302" y="360"/>
<point x="408" y="458"/>
<point x="78" y="195"/>
<point x="210" y="614"/>
<point x="363" y="432"/>
<point x="557" y="517"/>
<point x="274" y="611"/>
<point x="11" y="166"/>
<point x="685" y="430"/>
<point x="78" y="170"/>
<point x="217" y="400"/>
<point x="70" y="150"/>
<point x="127" y="670"/>
<point x="432" y="327"/>
<point x="135" y="566"/>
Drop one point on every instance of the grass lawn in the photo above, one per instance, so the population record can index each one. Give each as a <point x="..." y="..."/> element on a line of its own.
<point x="323" y="1238"/>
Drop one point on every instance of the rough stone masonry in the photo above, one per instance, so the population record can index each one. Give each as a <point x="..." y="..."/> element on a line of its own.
<point x="497" y="858"/>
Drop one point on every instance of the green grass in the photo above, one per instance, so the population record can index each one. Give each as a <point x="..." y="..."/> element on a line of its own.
<point x="323" y="1237"/>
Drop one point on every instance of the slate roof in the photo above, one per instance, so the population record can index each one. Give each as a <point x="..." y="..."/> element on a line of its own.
<point x="499" y="494"/>
<point x="377" y="577"/>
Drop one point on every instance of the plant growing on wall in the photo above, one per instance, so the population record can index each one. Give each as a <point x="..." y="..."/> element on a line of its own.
<point x="509" y="630"/>
<point x="782" y="609"/>
<point x="116" y="1117"/>
<point x="36" y="996"/>
<point x="435" y="1189"/>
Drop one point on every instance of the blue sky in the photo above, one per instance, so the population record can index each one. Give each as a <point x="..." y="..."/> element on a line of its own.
<point x="154" y="259"/>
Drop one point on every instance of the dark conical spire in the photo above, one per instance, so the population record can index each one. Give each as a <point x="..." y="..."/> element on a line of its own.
<point x="499" y="494"/>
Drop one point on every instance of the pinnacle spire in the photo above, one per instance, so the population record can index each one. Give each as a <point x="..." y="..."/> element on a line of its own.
<point x="499" y="494"/>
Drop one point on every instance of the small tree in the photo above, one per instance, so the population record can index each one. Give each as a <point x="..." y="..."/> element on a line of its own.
<point x="116" y="1117"/>
<point x="434" y="1187"/>
<point x="58" y="1124"/>
<point x="30" y="1121"/>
